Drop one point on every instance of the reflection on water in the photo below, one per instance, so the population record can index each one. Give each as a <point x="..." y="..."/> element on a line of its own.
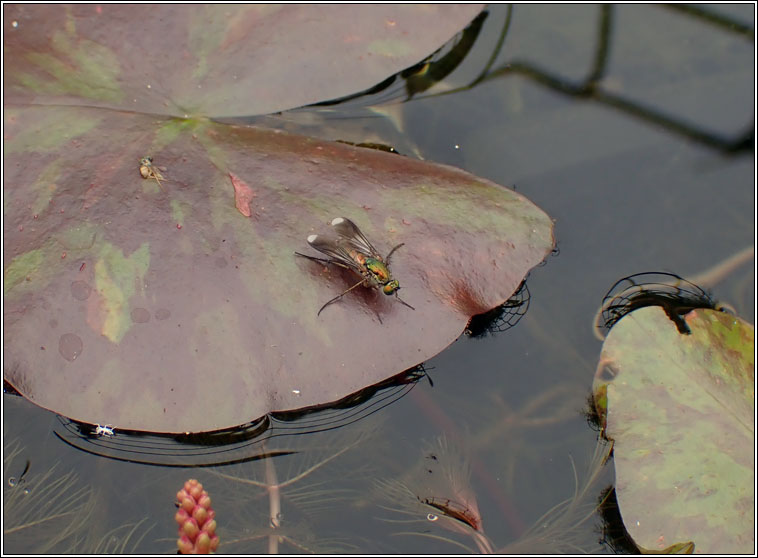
<point x="245" y="443"/>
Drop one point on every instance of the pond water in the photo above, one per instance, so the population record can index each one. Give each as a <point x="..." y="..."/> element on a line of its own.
<point x="632" y="127"/>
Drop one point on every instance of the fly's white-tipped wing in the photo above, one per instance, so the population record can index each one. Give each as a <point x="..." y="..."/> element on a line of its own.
<point x="333" y="250"/>
<point x="350" y="232"/>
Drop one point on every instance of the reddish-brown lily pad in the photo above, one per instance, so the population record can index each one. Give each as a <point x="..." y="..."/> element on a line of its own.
<point x="171" y="310"/>
<point x="215" y="60"/>
<point x="150" y="280"/>
<point x="680" y="410"/>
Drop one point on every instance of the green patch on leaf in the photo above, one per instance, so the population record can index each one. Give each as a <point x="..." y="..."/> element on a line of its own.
<point x="389" y="47"/>
<point x="20" y="268"/>
<point x="174" y="128"/>
<point x="78" y="67"/>
<point x="52" y="132"/>
<point x="115" y="278"/>
<point x="177" y="212"/>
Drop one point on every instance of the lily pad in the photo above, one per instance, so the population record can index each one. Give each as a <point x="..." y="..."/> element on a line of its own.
<point x="137" y="306"/>
<point x="680" y="411"/>
<point x="219" y="60"/>
<point x="150" y="280"/>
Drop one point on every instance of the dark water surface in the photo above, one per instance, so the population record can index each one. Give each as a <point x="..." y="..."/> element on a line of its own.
<point x="632" y="128"/>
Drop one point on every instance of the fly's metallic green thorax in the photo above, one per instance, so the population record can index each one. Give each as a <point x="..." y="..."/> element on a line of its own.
<point x="352" y="250"/>
<point x="379" y="271"/>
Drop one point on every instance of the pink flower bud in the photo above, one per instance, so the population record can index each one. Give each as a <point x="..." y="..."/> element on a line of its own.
<point x="196" y="490"/>
<point x="181" y="516"/>
<point x="188" y="504"/>
<point x="196" y="519"/>
<point x="210" y="527"/>
<point x="200" y="514"/>
<point x="203" y="543"/>
<point x="190" y="528"/>
<point x="184" y="544"/>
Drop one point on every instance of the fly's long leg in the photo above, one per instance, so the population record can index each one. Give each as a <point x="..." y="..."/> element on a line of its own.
<point x="401" y="300"/>
<point x="339" y="296"/>
<point x="387" y="259"/>
<point x="323" y="260"/>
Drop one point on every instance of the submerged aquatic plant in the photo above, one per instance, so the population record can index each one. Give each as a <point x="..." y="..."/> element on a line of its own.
<point x="442" y="497"/>
<point x="439" y="493"/>
<point x="557" y="531"/>
<point x="282" y="499"/>
<point x="44" y="512"/>
<point x="197" y="526"/>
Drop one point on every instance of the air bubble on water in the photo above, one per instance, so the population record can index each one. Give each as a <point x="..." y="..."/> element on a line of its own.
<point x="432" y="517"/>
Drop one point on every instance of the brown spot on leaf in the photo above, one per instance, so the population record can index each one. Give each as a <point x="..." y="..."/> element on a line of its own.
<point x="243" y="195"/>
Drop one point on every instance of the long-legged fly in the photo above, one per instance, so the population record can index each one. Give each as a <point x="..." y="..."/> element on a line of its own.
<point x="352" y="250"/>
